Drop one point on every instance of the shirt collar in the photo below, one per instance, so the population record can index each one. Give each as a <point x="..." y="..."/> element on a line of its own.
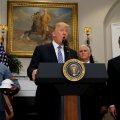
<point x="86" y="62"/>
<point x="56" y="45"/>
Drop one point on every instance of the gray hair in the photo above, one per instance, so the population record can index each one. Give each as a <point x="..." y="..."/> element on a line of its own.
<point x="84" y="45"/>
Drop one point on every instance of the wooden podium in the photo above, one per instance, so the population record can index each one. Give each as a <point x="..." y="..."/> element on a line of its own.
<point x="70" y="91"/>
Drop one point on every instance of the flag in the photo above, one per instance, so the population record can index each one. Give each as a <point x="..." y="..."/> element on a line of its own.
<point x="3" y="55"/>
<point x="8" y="99"/>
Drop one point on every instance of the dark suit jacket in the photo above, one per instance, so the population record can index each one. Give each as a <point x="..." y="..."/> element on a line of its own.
<point x="47" y="96"/>
<point x="113" y="81"/>
<point x="46" y="53"/>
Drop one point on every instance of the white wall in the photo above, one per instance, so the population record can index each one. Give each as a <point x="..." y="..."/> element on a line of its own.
<point x="115" y="33"/>
<point x="112" y="17"/>
<point x="92" y="13"/>
<point x="99" y="14"/>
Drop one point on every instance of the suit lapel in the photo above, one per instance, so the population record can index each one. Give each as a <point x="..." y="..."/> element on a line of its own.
<point x="66" y="54"/>
<point x="52" y="53"/>
<point x="117" y="64"/>
<point x="53" y="56"/>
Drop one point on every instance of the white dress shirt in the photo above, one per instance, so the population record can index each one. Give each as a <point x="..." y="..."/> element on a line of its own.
<point x="55" y="45"/>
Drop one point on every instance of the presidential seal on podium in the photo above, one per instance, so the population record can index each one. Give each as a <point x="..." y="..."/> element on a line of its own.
<point x="73" y="70"/>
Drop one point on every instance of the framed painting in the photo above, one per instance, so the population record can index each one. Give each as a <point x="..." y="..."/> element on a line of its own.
<point x="31" y="23"/>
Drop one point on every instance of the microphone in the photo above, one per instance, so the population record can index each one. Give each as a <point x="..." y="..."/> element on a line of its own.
<point x="65" y="43"/>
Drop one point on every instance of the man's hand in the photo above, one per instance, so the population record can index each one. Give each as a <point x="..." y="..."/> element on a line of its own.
<point x="12" y="91"/>
<point x="34" y="74"/>
<point x="103" y="110"/>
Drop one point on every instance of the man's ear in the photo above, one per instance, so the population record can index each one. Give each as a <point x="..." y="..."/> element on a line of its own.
<point x="90" y="54"/>
<point x="53" y="34"/>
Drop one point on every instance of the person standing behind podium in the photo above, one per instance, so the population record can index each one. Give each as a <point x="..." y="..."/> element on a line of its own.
<point x="47" y="97"/>
<point x="93" y="99"/>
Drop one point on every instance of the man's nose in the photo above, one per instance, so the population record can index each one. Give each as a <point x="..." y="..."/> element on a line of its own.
<point x="64" y="32"/>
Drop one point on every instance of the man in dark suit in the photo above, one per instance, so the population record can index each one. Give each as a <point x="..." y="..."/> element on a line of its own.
<point x="48" y="105"/>
<point x="113" y="86"/>
<point x="93" y="98"/>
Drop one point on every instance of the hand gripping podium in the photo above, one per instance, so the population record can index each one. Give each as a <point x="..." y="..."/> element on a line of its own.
<point x="52" y="73"/>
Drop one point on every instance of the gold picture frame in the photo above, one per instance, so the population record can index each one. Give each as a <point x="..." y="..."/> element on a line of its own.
<point x="23" y="37"/>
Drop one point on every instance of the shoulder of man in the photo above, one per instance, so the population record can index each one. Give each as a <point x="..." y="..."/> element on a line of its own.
<point x="114" y="59"/>
<point x="73" y="50"/>
<point x="45" y="45"/>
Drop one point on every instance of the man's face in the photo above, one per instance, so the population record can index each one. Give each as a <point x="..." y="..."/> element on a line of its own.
<point x="84" y="53"/>
<point x="60" y="32"/>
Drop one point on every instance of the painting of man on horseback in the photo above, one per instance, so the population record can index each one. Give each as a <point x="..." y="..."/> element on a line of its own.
<point x="32" y="24"/>
<point x="40" y="25"/>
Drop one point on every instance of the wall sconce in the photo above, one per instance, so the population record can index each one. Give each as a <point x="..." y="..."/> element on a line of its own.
<point x="3" y="28"/>
<point x="87" y="31"/>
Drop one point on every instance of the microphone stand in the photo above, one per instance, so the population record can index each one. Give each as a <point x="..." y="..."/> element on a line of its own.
<point x="65" y="43"/>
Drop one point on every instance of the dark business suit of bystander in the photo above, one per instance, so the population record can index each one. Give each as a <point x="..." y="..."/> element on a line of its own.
<point x="113" y="83"/>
